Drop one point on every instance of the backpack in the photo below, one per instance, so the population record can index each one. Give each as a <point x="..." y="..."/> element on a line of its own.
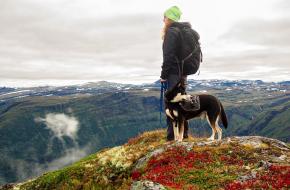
<point x="191" y="54"/>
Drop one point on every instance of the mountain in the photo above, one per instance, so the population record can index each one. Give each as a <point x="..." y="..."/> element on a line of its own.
<point x="149" y="162"/>
<point x="47" y="128"/>
<point x="45" y="133"/>
<point x="7" y="93"/>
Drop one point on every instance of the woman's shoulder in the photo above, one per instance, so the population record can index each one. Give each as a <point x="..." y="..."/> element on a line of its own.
<point x="172" y="30"/>
<point x="175" y="27"/>
<point x="180" y="25"/>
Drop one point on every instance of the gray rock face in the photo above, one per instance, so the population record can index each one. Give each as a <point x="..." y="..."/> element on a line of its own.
<point x="252" y="175"/>
<point x="257" y="141"/>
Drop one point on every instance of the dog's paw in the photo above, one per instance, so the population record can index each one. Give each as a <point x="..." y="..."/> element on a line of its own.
<point x="180" y="139"/>
<point x="210" y="139"/>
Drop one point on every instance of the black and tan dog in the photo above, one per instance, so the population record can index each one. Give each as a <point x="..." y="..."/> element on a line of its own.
<point x="210" y="108"/>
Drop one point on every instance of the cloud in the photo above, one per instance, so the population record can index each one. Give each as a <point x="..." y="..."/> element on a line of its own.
<point x="266" y="64"/>
<point x="62" y="40"/>
<point x="26" y="170"/>
<point x="47" y="44"/>
<point x="250" y="73"/>
<point x="253" y="49"/>
<point x="61" y="125"/>
<point x="283" y="6"/>
<point x="70" y="156"/>
<point x="268" y="33"/>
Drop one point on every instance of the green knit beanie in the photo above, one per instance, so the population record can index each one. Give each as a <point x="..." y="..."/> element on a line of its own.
<point x="173" y="13"/>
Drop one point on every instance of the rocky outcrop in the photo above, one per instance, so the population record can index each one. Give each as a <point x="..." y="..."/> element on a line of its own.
<point x="148" y="162"/>
<point x="266" y="152"/>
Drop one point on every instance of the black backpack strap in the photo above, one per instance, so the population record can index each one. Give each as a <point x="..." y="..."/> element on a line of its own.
<point x="180" y="66"/>
<point x="187" y="57"/>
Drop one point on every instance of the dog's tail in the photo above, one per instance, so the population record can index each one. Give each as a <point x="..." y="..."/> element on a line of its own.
<point x="223" y="116"/>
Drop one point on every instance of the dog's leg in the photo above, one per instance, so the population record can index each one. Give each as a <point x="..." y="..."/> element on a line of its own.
<point x="181" y="132"/>
<point x="219" y="130"/>
<point x="167" y="112"/>
<point x="211" y="138"/>
<point x="213" y="129"/>
<point x="177" y="125"/>
<point x="176" y="131"/>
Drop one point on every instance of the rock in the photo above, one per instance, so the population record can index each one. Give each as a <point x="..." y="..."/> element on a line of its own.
<point x="259" y="142"/>
<point x="282" y="157"/>
<point x="146" y="185"/>
<point x="278" y="159"/>
<point x="254" y="144"/>
<point x="264" y="164"/>
<point x="142" y="161"/>
<point x="252" y="175"/>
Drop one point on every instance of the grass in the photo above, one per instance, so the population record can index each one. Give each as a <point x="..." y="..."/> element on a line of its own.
<point x="214" y="166"/>
<point x="107" y="169"/>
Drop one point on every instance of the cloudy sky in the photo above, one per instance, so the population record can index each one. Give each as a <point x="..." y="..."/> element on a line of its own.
<point x="60" y="42"/>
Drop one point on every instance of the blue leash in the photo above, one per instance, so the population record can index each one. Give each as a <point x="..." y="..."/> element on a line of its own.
<point x="162" y="90"/>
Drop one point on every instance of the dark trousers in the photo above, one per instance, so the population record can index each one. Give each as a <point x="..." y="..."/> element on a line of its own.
<point x="171" y="81"/>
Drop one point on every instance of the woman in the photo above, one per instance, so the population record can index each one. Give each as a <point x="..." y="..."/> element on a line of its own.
<point x="171" y="54"/>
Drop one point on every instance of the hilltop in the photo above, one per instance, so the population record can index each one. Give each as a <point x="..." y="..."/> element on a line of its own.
<point x="91" y="117"/>
<point x="149" y="162"/>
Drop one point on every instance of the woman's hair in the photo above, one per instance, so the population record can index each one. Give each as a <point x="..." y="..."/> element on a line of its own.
<point x="165" y="27"/>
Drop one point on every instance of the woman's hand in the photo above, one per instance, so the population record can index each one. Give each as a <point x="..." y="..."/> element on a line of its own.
<point x="162" y="80"/>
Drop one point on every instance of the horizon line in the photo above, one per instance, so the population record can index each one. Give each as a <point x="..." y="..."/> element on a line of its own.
<point x="78" y="82"/>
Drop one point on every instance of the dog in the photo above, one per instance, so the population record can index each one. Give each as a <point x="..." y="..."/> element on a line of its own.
<point x="210" y="108"/>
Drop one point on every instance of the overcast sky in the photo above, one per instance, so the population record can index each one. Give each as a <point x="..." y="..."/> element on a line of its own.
<point x="60" y="42"/>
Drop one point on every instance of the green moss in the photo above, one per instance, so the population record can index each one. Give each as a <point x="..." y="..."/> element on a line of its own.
<point x="52" y="180"/>
<point x="207" y="179"/>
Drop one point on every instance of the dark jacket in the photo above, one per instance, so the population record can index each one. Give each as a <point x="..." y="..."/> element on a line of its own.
<point x="172" y="50"/>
